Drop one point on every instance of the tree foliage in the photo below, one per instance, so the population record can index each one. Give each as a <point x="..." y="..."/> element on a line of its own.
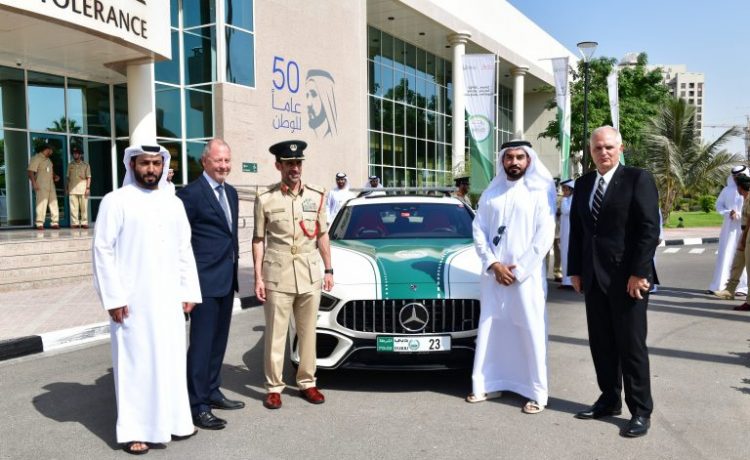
<point x="641" y="94"/>
<point x="681" y="164"/>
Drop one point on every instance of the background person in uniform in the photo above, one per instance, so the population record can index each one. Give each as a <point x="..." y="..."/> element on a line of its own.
<point x="79" y="189"/>
<point x="614" y="231"/>
<point x="289" y="240"/>
<point x="729" y="204"/>
<point x="557" y="272"/>
<point x="513" y="231"/>
<point x="337" y="196"/>
<point x="462" y="190"/>
<point x="212" y="208"/>
<point x="145" y="275"/>
<point x="43" y="178"/>
<point x="564" y="225"/>
<point x="170" y="178"/>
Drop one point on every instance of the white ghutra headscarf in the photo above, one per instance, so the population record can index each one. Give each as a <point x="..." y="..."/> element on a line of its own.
<point x="134" y="151"/>
<point x="537" y="176"/>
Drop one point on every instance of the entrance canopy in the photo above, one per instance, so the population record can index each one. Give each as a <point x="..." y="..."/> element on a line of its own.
<point x="87" y="39"/>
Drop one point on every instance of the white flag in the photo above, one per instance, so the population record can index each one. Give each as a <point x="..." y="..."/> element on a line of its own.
<point x="614" y="101"/>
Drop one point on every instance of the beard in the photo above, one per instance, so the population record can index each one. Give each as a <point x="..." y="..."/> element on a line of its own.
<point x="514" y="172"/>
<point x="148" y="180"/>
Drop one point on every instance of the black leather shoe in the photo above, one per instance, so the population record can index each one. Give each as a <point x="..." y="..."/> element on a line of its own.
<point x="598" y="411"/>
<point x="638" y="426"/>
<point x="227" y="404"/>
<point x="208" y="421"/>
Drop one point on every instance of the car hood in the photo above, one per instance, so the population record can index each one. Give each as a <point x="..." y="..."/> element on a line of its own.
<point x="405" y="268"/>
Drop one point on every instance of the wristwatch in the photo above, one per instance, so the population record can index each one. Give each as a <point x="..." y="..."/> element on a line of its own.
<point x="328" y="271"/>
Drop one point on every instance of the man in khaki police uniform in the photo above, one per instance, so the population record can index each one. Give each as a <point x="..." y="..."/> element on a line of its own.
<point x="43" y="178"/>
<point x="79" y="187"/>
<point x="462" y="190"/>
<point x="289" y="240"/>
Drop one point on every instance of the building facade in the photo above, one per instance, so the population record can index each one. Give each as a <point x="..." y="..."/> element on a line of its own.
<point x="688" y="86"/>
<point x="370" y="85"/>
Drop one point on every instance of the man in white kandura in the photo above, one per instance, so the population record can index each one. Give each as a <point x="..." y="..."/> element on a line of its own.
<point x="144" y="272"/>
<point x="729" y="205"/>
<point x="338" y="195"/>
<point x="513" y="231"/>
<point x="567" y="199"/>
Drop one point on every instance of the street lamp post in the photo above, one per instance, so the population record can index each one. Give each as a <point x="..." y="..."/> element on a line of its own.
<point x="587" y="50"/>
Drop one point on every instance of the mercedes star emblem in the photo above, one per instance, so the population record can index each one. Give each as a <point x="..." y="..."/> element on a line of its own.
<point x="414" y="317"/>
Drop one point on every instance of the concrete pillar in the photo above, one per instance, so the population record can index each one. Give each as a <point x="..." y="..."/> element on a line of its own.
<point x="458" y="42"/>
<point x="141" y="106"/>
<point x="518" y="88"/>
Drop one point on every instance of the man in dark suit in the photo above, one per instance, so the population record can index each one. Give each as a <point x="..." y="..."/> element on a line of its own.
<point x="614" y="231"/>
<point x="212" y="208"/>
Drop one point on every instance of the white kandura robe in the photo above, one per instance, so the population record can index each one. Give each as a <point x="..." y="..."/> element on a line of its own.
<point x="565" y="236"/>
<point x="336" y="199"/>
<point x="729" y="199"/>
<point x="143" y="259"/>
<point x="511" y="352"/>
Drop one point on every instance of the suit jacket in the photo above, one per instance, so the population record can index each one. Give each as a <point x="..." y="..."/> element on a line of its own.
<point x="623" y="240"/>
<point x="215" y="245"/>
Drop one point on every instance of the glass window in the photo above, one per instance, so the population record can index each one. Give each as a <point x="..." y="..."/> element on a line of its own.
<point x="194" y="152"/>
<point x="46" y="103"/>
<point x="387" y="116"/>
<point x="399" y="152"/>
<point x="387" y="48"/>
<point x="174" y="13"/>
<point x="240" y="57"/>
<point x="410" y="58"/>
<point x="12" y="98"/>
<point x="88" y="108"/>
<point x="375" y="116"/>
<point x="200" y="55"/>
<point x="239" y="13"/>
<point x="386" y="85"/>
<point x="120" y="146"/>
<point x="168" y="119"/>
<point x="387" y="149"/>
<point x="373" y="42"/>
<point x="169" y="71"/>
<point x="98" y="154"/>
<point x="411" y="121"/>
<point x="15" y="208"/>
<point x="198" y="113"/>
<point x="198" y="12"/>
<point x="375" y="154"/>
<point x="398" y="54"/>
<point x="411" y="154"/>
<point x="398" y="119"/>
<point x="121" y="110"/>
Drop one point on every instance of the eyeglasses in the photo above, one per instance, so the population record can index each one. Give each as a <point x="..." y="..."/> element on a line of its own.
<point x="500" y="233"/>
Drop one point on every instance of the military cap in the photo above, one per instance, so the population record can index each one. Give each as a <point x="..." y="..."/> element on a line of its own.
<point x="461" y="180"/>
<point x="289" y="150"/>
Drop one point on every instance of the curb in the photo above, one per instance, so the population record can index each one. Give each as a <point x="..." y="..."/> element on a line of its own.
<point x="689" y="241"/>
<point x="33" y="344"/>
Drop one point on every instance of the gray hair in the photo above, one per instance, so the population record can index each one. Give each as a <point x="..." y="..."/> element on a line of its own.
<point x="618" y="136"/>
<point x="211" y="143"/>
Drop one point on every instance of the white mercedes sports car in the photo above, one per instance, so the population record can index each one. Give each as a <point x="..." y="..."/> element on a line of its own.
<point x="406" y="293"/>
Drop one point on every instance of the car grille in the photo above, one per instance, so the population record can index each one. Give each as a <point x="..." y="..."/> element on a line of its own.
<point x="382" y="316"/>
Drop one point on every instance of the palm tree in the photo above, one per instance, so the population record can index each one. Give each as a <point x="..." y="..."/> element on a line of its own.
<point x="681" y="164"/>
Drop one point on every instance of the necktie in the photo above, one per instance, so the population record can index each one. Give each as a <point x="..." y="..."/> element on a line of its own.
<point x="596" y="204"/>
<point x="224" y="205"/>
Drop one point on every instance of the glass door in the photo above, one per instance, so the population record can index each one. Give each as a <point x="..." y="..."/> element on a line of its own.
<point x="59" y="159"/>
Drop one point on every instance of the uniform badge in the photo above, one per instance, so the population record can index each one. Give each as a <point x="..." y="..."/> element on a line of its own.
<point x="309" y="205"/>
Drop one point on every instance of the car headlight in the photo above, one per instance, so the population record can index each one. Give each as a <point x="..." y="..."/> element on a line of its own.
<point x="327" y="302"/>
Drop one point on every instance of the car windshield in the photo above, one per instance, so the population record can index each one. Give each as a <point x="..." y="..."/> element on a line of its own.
<point x="402" y="220"/>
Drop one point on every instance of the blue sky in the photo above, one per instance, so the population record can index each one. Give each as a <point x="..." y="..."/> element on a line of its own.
<point x="712" y="37"/>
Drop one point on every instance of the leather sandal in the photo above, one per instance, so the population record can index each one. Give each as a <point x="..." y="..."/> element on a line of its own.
<point x="128" y="447"/>
<point x="532" y="407"/>
<point x="475" y="398"/>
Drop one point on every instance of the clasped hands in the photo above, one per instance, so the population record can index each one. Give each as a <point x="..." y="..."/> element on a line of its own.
<point x="503" y="273"/>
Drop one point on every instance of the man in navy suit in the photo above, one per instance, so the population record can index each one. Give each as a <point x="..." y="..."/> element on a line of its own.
<point x="614" y="231"/>
<point x="212" y="207"/>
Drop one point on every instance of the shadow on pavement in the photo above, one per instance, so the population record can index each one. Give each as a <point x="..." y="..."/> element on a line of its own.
<point x="242" y="379"/>
<point x="93" y="406"/>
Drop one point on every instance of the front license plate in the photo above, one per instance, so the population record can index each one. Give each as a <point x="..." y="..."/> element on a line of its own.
<point x="406" y="344"/>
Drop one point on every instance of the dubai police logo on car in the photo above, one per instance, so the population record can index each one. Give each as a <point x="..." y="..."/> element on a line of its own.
<point x="414" y="317"/>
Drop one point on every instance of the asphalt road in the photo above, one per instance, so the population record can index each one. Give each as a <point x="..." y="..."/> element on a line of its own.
<point x="61" y="404"/>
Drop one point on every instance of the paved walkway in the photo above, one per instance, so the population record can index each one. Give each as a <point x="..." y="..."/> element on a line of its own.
<point x="76" y="305"/>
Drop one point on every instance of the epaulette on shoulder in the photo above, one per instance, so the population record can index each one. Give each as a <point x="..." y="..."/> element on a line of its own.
<point x="316" y="188"/>
<point x="269" y="189"/>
